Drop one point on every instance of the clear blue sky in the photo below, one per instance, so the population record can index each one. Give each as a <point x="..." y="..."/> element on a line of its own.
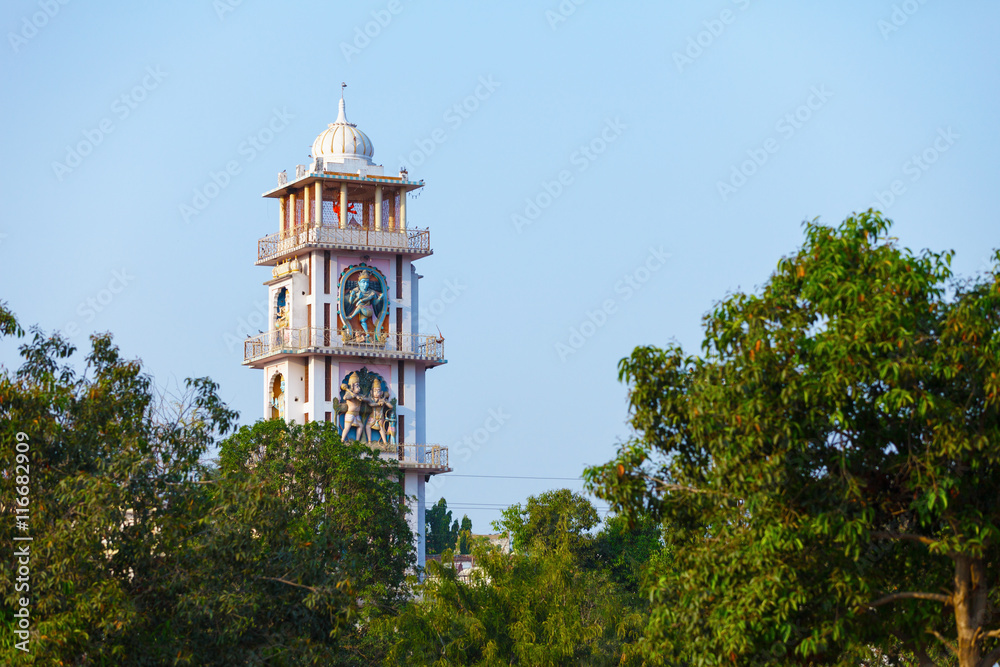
<point x="830" y="102"/>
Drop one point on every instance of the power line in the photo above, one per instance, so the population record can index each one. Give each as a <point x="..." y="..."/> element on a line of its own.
<point x="502" y="505"/>
<point x="574" y="479"/>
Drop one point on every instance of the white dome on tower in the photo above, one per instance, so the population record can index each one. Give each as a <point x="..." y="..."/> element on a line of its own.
<point x="342" y="140"/>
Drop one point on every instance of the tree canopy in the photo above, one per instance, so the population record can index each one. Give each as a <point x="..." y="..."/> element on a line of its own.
<point x="305" y="537"/>
<point x="109" y="475"/>
<point x="543" y="606"/>
<point x="443" y="533"/>
<point x="829" y="465"/>
<point x="143" y="553"/>
<point x="545" y="518"/>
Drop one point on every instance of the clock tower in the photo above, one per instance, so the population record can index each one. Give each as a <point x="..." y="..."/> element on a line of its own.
<point x="342" y="343"/>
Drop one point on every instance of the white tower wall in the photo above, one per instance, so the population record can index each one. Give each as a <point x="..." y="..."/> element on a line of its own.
<point x="335" y="216"/>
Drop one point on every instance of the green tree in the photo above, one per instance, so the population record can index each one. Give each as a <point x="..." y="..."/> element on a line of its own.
<point x="537" y="609"/>
<point x="557" y="601"/>
<point x="143" y="555"/>
<point x="440" y="535"/>
<point x="113" y="499"/>
<point x="300" y="529"/>
<point x="464" y="545"/>
<point x="625" y="551"/>
<point x="545" y="518"/>
<point x="829" y="466"/>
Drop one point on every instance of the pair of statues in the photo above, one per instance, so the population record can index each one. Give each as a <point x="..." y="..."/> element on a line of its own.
<point x="368" y="412"/>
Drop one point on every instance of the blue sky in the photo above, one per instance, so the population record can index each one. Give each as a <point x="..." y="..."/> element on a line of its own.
<point x="598" y="176"/>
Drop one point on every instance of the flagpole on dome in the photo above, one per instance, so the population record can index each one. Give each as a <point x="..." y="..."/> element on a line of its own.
<point x="342" y="114"/>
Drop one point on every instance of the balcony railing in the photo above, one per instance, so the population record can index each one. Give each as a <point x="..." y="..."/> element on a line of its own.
<point x="423" y="456"/>
<point x="410" y="240"/>
<point x="334" y="341"/>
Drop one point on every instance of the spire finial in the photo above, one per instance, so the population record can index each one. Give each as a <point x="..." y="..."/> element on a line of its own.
<point x="342" y="116"/>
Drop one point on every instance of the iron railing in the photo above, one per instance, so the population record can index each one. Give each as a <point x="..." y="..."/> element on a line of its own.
<point x="430" y="456"/>
<point x="410" y="240"/>
<point x="293" y="341"/>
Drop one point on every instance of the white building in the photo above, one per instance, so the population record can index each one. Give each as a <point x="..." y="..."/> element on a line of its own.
<point x="342" y="343"/>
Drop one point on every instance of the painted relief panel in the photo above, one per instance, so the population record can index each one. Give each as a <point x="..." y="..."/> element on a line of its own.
<point x="363" y="304"/>
<point x="366" y="410"/>
<point x="281" y="309"/>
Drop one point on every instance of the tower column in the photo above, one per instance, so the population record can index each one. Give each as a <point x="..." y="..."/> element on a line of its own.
<point x="306" y="209"/>
<point x="282" y="215"/>
<point x="343" y="205"/>
<point x="318" y="198"/>
<point x="413" y="487"/>
<point x="378" y="207"/>
<point x="292" y="212"/>
<point x="402" y="210"/>
<point x="392" y="210"/>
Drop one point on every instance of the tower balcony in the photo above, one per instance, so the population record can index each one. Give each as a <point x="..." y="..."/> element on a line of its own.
<point x="317" y="340"/>
<point x="281" y="245"/>
<point x="432" y="459"/>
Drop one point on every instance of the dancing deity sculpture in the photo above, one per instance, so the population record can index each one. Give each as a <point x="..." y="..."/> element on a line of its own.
<point x="363" y="300"/>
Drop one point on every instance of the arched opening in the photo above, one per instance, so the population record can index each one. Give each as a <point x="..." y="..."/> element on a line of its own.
<point x="278" y="397"/>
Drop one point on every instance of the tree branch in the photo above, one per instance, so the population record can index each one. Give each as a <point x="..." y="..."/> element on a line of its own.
<point x="679" y="487"/>
<point x="908" y="537"/>
<point x="291" y="583"/>
<point x="938" y="597"/>
<point x="951" y="647"/>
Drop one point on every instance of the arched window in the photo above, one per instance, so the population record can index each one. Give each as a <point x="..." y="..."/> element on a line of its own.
<point x="278" y="397"/>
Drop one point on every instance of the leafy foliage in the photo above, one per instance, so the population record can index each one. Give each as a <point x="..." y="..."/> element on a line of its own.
<point x="301" y="527"/>
<point x="112" y="499"/>
<point x="439" y="536"/>
<point x="342" y="491"/>
<point x="443" y="533"/>
<point x="464" y="542"/>
<point x="829" y="466"/>
<point x="537" y="609"/>
<point x="144" y="555"/>
<point x="547" y="518"/>
<point x="625" y="552"/>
